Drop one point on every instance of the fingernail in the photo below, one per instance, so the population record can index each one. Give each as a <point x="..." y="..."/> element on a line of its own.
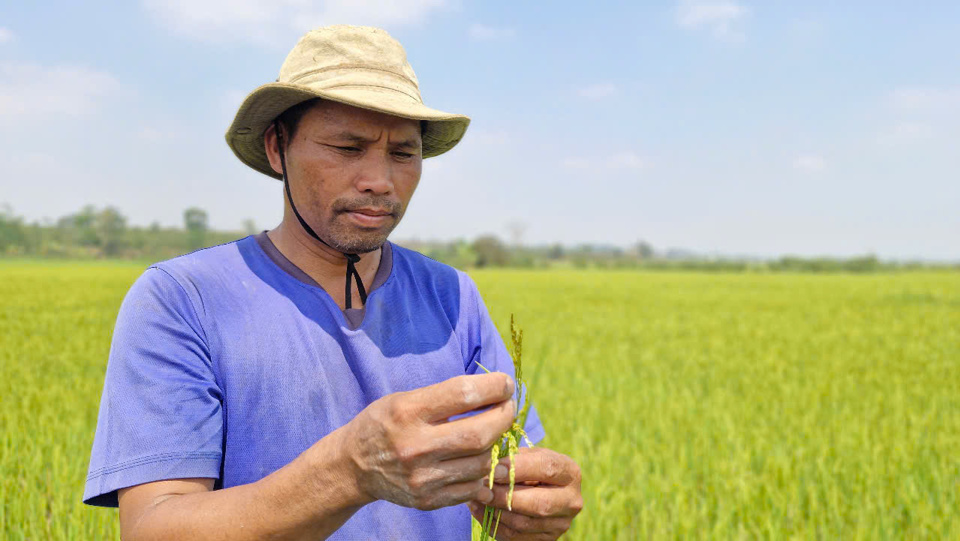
<point x="500" y="472"/>
<point x="486" y="496"/>
<point x="510" y="386"/>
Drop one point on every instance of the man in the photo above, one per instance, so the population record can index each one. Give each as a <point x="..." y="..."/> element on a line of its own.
<point x="316" y="381"/>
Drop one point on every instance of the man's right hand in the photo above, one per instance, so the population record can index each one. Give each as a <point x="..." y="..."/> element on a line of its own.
<point x="406" y="451"/>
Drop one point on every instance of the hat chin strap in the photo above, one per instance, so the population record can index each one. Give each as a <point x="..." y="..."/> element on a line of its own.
<point x="352" y="259"/>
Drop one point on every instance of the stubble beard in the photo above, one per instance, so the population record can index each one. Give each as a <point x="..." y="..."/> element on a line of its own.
<point x="352" y="239"/>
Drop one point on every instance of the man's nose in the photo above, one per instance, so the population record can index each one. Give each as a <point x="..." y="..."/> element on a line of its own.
<point x="376" y="174"/>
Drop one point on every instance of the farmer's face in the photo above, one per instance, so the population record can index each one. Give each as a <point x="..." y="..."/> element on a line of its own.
<point x="352" y="173"/>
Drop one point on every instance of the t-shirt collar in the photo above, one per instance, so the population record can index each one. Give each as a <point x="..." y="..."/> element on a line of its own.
<point x="383" y="271"/>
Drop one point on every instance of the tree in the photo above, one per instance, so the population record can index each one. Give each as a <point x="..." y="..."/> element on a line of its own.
<point x="79" y="229"/>
<point x="644" y="250"/>
<point x="490" y="251"/>
<point x="555" y="252"/>
<point x="13" y="238"/>
<point x="111" y="228"/>
<point x="195" y="222"/>
<point x="250" y="226"/>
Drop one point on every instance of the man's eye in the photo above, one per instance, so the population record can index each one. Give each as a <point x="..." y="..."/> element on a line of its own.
<point x="349" y="149"/>
<point x="403" y="155"/>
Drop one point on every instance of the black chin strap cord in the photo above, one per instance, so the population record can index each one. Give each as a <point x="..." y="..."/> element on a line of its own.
<point x="352" y="259"/>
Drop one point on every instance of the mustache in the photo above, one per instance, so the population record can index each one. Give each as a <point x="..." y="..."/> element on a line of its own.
<point x="383" y="203"/>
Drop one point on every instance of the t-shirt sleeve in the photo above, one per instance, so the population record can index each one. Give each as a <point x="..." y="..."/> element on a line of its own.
<point x="481" y="342"/>
<point x="160" y="412"/>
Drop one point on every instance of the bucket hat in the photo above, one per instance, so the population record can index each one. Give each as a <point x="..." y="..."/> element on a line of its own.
<point x="354" y="65"/>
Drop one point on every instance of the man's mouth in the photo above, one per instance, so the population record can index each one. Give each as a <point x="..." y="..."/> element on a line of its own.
<point x="371" y="212"/>
<point x="369" y="217"/>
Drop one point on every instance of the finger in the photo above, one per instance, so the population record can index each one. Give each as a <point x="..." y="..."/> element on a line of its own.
<point x="462" y="394"/>
<point x="456" y="494"/>
<point x="542" y="501"/>
<point x="506" y="533"/>
<point x="476" y="509"/>
<point x="543" y="466"/>
<point x="529" y="525"/>
<point x="456" y="470"/>
<point x="473" y="435"/>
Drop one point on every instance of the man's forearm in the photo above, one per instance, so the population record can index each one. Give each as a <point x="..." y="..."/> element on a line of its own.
<point x="310" y="498"/>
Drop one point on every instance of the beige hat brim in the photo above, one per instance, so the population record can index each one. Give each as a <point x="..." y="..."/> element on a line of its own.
<point x="245" y="135"/>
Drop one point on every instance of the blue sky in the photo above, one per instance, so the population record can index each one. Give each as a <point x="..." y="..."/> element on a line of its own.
<point x="722" y="126"/>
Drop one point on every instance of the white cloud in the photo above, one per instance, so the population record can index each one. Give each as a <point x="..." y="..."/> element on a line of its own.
<point x="626" y="160"/>
<point x="598" y="91"/>
<point x="280" y="22"/>
<point x="810" y="163"/>
<point x="926" y="99"/>
<point x="214" y="19"/>
<point x="5" y="35"/>
<point x="722" y="18"/>
<point x="31" y="89"/>
<point x="370" y="12"/>
<point x="905" y="133"/>
<point x="482" y="32"/>
<point x="919" y="114"/>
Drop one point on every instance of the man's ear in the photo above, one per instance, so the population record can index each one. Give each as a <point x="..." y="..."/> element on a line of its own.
<point x="270" y="146"/>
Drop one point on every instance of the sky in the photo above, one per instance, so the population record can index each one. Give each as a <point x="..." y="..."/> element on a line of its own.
<point x="719" y="126"/>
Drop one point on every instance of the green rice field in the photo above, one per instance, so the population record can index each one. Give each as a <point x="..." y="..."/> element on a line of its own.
<point x="700" y="406"/>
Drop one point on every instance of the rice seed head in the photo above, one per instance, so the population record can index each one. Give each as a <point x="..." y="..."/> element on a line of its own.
<point x="494" y="458"/>
<point x="512" y="448"/>
<point x="516" y="353"/>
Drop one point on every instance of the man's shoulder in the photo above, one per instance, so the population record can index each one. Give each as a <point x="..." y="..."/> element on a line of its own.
<point x="424" y="279"/>
<point x="453" y="286"/>
<point x="204" y="255"/>
<point x="214" y="263"/>
<point x="426" y="268"/>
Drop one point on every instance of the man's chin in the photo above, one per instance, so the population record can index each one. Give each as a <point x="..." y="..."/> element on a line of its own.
<point x="350" y="237"/>
<point x="364" y="248"/>
<point x="360" y="242"/>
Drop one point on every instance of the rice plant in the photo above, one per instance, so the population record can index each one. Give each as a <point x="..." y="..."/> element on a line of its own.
<point x="509" y="443"/>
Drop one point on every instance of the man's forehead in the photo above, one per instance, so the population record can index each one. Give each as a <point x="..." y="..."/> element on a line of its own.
<point x="333" y="117"/>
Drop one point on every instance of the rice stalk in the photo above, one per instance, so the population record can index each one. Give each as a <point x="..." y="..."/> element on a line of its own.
<point x="509" y="443"/>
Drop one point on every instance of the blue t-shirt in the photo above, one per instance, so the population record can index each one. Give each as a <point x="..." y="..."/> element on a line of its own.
<point x="225" y="365"/>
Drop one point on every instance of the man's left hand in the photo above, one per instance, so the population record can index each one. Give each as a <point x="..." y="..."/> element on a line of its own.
<point x="546" y="496"/>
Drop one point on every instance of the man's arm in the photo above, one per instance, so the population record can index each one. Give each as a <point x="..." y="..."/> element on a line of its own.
<point x="307" y="499"/>
<point x="401" y="448"/>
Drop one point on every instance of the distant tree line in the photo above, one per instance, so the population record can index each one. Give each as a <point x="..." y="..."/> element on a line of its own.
<point x="105" y="233"/>
<point x="490" y="251"/>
